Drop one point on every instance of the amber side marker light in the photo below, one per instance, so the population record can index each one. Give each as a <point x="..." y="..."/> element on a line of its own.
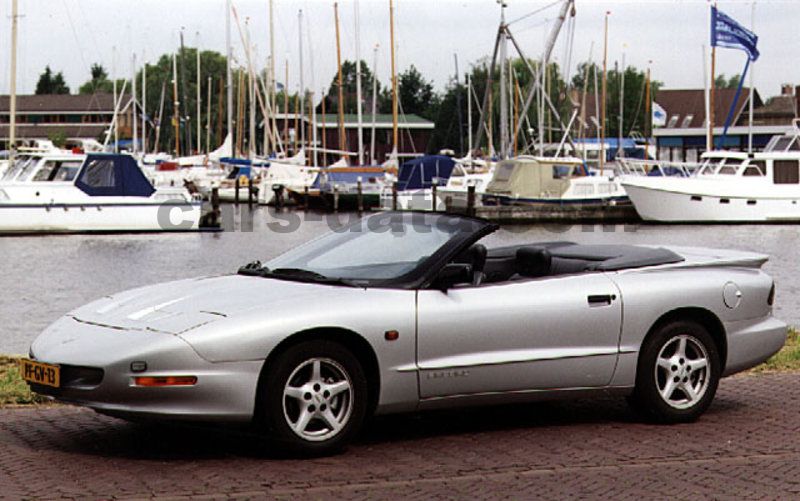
<point x="165" y="381"/>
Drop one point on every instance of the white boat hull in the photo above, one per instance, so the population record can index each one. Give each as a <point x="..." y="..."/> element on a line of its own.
<point x="421" y="199"/>
<point x="661" y="205"/>
<point x="67" y="218"/>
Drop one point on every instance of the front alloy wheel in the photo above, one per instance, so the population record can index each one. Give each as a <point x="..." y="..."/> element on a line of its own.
<point x="318" y="399"/>
<point x="678" y="373"/>
<point x="314" y="397"/>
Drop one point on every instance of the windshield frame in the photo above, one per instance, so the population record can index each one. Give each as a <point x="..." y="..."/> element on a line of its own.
<point x="470" y="230"/>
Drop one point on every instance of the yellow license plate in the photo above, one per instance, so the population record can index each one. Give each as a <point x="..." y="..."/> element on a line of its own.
<point x="39" y="373"/>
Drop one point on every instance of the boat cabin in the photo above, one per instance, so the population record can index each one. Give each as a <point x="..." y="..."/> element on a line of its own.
<point x="43" y="168"/>
<point x="535" y="177"/>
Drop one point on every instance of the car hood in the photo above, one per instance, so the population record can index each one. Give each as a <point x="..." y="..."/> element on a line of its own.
<point x="177" y="307"/>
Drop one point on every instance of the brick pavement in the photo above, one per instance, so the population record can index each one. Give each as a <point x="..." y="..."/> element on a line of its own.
<point x="746" y="446"/>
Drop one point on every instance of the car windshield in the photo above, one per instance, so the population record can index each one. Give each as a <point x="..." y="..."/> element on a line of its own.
<point x="376" y="248"/>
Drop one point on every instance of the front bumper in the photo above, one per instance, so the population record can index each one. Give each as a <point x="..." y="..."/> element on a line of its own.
<point x="224" y="391"/>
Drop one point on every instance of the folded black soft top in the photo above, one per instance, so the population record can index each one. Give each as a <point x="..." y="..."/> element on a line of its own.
<point x="617" y="257"/>
<point x="600" y="257"/>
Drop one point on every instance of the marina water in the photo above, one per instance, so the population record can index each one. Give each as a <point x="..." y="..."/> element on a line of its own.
<point x="43" y="277"/>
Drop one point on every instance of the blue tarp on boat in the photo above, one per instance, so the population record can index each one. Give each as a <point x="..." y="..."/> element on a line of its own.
<point x="108" y="175"/>
<point x="419" y="173"/>
<point x="345" y="176"/>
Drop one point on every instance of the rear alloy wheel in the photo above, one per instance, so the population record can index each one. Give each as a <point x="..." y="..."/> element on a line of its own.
<point x="316" y="397"/>
<point x="678" y="373"/>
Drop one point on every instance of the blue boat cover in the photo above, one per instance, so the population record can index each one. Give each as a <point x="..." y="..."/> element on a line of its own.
<point x="419" y="173"/>
<point x="344" y="176"/>
<point x="243" y="162"/>
<point x="239" y="171"/>
<point x="109" y="175"/>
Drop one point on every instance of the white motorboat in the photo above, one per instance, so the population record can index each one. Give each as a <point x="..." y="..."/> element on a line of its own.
<point x="105" y="193"/>
<point x="467" y="172"/>
<point x="529" y="180"/>
<point x="728" y="187"/>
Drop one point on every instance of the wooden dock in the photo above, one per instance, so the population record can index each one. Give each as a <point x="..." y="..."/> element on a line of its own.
<point x="554" y="213"/>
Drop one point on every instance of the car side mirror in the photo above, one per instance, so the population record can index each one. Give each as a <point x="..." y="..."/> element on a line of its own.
<point x="453" y="274"/>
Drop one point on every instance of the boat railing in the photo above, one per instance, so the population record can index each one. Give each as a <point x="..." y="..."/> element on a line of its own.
<point x="637" y="167"/>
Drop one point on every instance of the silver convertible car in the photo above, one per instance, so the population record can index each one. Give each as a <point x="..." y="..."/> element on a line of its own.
<point x="402" y="312"/>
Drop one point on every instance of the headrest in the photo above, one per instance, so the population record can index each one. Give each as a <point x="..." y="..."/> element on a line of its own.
<point x="533" y="261"/>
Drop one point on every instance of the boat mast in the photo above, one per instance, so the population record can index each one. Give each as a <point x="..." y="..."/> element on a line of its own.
<point x="374" y="102"/>
<point x="199" y="100"/>
<point x="208" y="116"/>
<point x="358" y="89"/>
<point x="251" y="87"/>
<point x="312" y="97"/>
<point x="286" y="105"/>
<point x="342" y="144"/>
<point x="12" y="129"/>
<point x="469" y="113"/>
<point x="187" y="147"/>
<point x="228" y="76"/>
<point x="394" y="79"/>
<point x="621" y="104"/>
<point x="156" y="146"/>
<point x="302" y="84"/>
<point x="144" y="106"/>
<point x="324" y="125"/>
<point x="272" y="86"/>
<point x="503" y="84"/>
<point x="176" y="113"/>
<point x="603" y="99"/>
<point x="648" y="120"/>
<point x="114" y="90"/>
<point x="458" y="108"/>
<point x="133" y="105"/>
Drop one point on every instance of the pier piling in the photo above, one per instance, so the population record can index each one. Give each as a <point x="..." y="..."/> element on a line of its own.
<point x="471" y="200"/>
<point x="360" y="197"/>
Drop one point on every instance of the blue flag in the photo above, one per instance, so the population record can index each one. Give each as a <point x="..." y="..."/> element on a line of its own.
<point x="725" y="32"/>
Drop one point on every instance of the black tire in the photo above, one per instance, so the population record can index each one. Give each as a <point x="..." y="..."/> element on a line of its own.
<point x="279" y="410"/>
<point x="651" y="382"/>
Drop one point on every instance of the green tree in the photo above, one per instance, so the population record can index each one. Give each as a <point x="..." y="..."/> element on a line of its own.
<point x="634" y="99"/>
<point x="51" y="84"/>
<point x="349" y="91"/>
<point x="720" y="82"/>
<point x="159" y="76"/>
<point x="416" y="94"/>
<point x="59" y="138"/>
<point x="99" y="82"/>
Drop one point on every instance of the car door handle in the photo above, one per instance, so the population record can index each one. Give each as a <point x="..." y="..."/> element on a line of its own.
<point x="601" y="299"/>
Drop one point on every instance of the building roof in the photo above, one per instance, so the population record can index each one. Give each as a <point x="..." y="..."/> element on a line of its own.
<point x="382" y="120"/>
<point x="76" y="131"/>
<point x="777" y="107"/>
<point x="62" y="103"/>
<point x="688" y="105"/>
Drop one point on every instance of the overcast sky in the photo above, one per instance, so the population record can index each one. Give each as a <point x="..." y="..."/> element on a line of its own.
<point x="70" y="35"/>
